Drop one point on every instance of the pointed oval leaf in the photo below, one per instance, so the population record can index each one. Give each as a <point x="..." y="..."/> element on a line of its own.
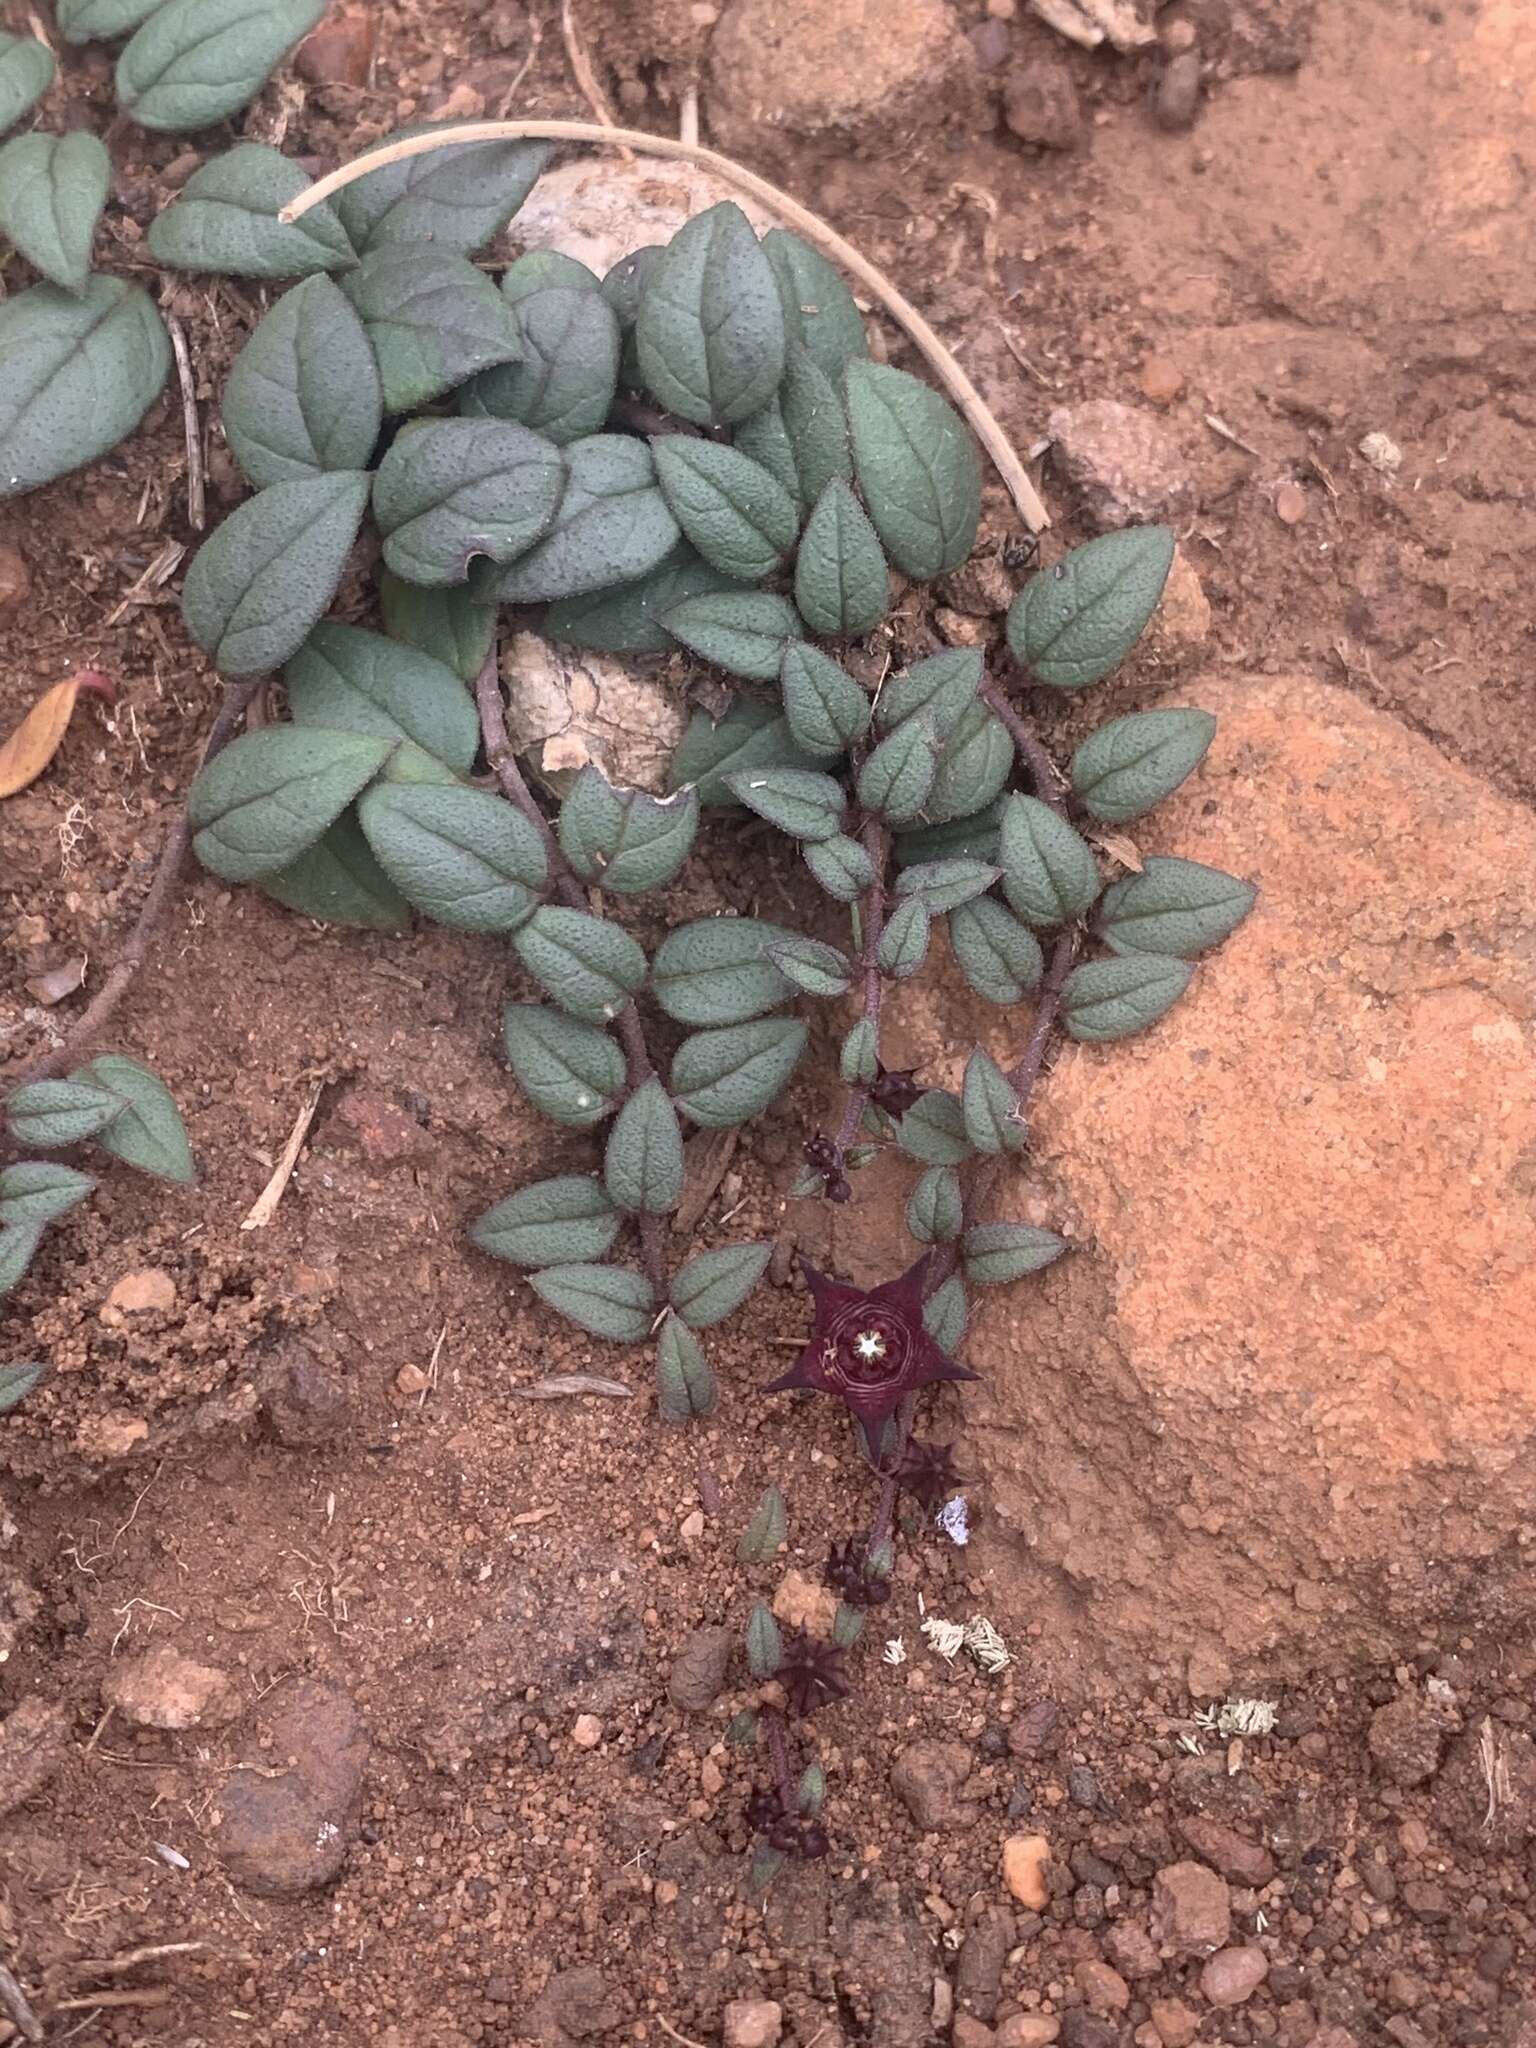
<point x="916" y="467"/>
<point x="719" y="970"/>
<point x="303" y="396"/>
<point x="36" y="1191"/>
<point x="1132" y="763"/>
<point x="78" y="371"/>
<point x="734" y="511"/>
<point x="540" y="269"/>
<point x="225" y="220"/>
<point x="100" y="21"/>
<point x="26" y="72"/>
<point x="897" y="776"/>
<point x="18" y="1244"/>
<point x="815" y="425"/>
<point x="936" y="1206"/>
<point x="841" y="583"/>
<point x="551" y="1223"/>
<point x="270" y="794"/>
<point x="338" y="881"/>
<point x="455" y="199"/>
<point x="259" y="583"/>
<point x="725" y="1077"/>
<point x="147" y="1131"/>
<point x="643" y="1160"/>
<point x="349" y="680"/>
<point x="563" y="386"/>
<point x="1049" y="872"/>
<point x="715" y="1284"/>
<point x="904" y="942"/>
<point x="1107" y="999"/>
<point x="998" y="955"/>
<point x="432" y="320"/>
<point x="946" y="1313"/>
<point x="799" y="801"/>
<point x="710" y="328"/>
<point x="52" y="190"/>
<point x="841" y="866"/>
<point x="588" y="966"/>
<point x="819" y="969"/>
<point x="743" y="631"/>
<point x="946" y="884"/>
<point x="826" y="709"/>
<point x="859" y="1057"/>
<point x="750" y="735"/>
<point x="819" y="310"/>
<point x="446" y="624"/>
<point x="685" y="1386"/>
<point x="611" y="527"/>
<point x="189" y="64"/>
<point x="1073" y="623"/>
<point x="989" y="1103"/>
<point x="572" y="1072"/>
<point x="764" y="1536"/>
<point x="1179" y="907"/>
<point x="766" y="439"/>
<point x="847" y="1625"/>
<point x="609" y="1301"/>
<point x="626" y="618"/>
<point x="464" y="857"/>
<point x="943" y="687"/>
<point x="53" y="1113"/>
<point x="970" y="838"/>
<point x="933" y="1130"/>
<point x="995" y="1253"/>
<point x="975" y="763"/>
<point x="16" y="1381"/>
<point x="624" y="839"/>
<point x="449" y="491"/>
<point x="765" y="1646"/>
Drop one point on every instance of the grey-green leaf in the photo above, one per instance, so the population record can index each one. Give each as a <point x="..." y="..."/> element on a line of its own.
<point x="989" y="1102"/>
<point x="801" y="802"/>
<point x="841" y="866"/>
<point x="847" y="1625"/>
<point x="338" y="881"/>
<point x="539" y="269"/>
<point x="819" y="309"/>
<point x="725" y="1077"/>
<point x="933" y="1130"/>
<point x="766" y="439"/>
<point x="710" y="329"/>
<point x="432" y="320"/>
<point x="446" y="624"/>
<point x="454" y="199"/>
<point x="1071" y="624"/>
<point x="563" y="387"/>
<point x="996" y="1253"/>
<point x="826" y="709"/>
<point x="812" y="1791"/>
<point x="626" y="618"/>
<point x="225" y="220"/>
<point x="750" y="735"/>
<point x="764" y="1536"/>
<point x="78" y="371"/>
<point x="1107" y="999"/>
<point x="555" y="1221"/>
<point x="36" y="1191"/>
<point x="643" y="1160"/>
<point x="572" y="1072"/>
<point x="936" y="1207"/>
<point x="147" y="1131"/>
<point x="350" y="680"/>
<point x="16" y="1381"/>
<point x="904" y="942"/>
<point x="464" y="857"/>
<point x="623" y="839"/>
<point x="943" y="686"/>
<point x="52" y="1113"/>
<point x="897" y="776"/>
<point x="819" y="969"/>
<point x="26" y="72"/>
<point x="975" y="763"/>
<point x="451" y="490"/>
<point x="841" y="584"/>
<point x="270" y="794"/>
<point x="735" y="512"/>
<point x="52" y="190"/>
<point x="192" y="63"/>
<point x="945" y="1314"/>
<point x="714" y="1284"/>
<point x="100" y="21"/>
<point x="966" y="838"/>
<point x="1049" y="872"/>
<point x="1179" y="907"/>
<point x="946" y="884"/>
<point x="685" y="1386"/>
<point x="1133" y="762"/>
<point x="18" y="1244"/>
<point x="998" y="955"/>
<point x="260" y="582"/>
<point x="611" y="527"/>
<point x="587" y="965"/>
<point x="720" y="970"/>
<point x="815" y="426"/>
<point x="609" y="1301"/>
<point x="765" y="1646"/>
<point x="303" y="396"/>
<point x="859" y="1055"/>
<point x="916" y="467"/>
<point x="743" y="631"/>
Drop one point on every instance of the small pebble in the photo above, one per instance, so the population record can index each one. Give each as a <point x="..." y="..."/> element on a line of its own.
<point x="1176" y="96"/>
<point x="1162" y="380"/>
<point x="1024" y="1861"/>
<point x="1233" y="1975"/>
<point x="1290" y="504"/>
<point x="410" y="1379"/>
<point x="587" y="1731"/>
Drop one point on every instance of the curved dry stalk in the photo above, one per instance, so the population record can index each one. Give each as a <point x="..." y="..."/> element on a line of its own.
<point x="959" y="386"/>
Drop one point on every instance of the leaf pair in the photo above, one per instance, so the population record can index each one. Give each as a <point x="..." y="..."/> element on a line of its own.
<point x="125" y="1108"/>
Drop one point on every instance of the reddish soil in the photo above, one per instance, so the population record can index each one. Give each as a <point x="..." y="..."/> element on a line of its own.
<point x="477" y="1569"/>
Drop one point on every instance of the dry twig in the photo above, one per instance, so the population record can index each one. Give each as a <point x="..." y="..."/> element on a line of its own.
<point x="264" y="1208"/>
<point x="13" y="2001"/>
<point x="197" y="497"/>
<point x="586" y="78"/>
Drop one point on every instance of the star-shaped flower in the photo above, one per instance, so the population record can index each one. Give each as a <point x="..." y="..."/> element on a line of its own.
<point x="870" y="1349"/>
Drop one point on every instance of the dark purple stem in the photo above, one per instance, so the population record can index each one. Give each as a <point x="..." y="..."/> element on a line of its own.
<point x="872" y="913"/>
<point x="776" y="1735"/>
<point x="1041" y="767"/>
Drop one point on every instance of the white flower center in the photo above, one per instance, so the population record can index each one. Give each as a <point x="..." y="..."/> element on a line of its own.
<point x="870" y="1345"/>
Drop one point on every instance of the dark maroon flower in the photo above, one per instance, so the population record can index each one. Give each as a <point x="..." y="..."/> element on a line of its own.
<point x="811" y="1673"/>
<point x="871" y="1349"/>
<point x="895" y="1089"/>
<point x="927" y="1472"/>
<point x="852" y="1577"/>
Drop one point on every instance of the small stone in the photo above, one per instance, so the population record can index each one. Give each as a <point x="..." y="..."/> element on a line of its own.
<point x="1379" y="1879"/>
<point x="411" y="1380"/>
<point x="960" y="629"/>
<point x="804" y="1602"/>
<point x="1176" y="96"/>
<point x="752" y="2023"/>
<point x="1290" y="504"/>
<point x="149" y="1291"/>
<point x="1413" y="1838"/>
<point x="1161" y="380"/>
<point x="941" y="2009"/>
<point x="1191" y="1909"/>
<point x="380" y="1129"/>
<point x="1082" y="1787"/>
<point x="1314" y="1746"/>
<point x="305" y="1404"/>
<point x="1080" y="2029"/>
<point x="1404" y="1990"/>
<point x="927" y="1777"/>
<point x="1496" y="1960"/>
<point x="1207" y="1672"/>
<point x="574" y="2003"/>
<point x="1232" y="1975"/>
<point x="1030" y="1731"/>
<point x="711" y="1778"/>
<point x="587" y="1731"/>
<point x="1028" y="2030"/>
<point x="1177" y="2023"/>
<point x="339" y="52"/>
<point x="33" y="1743"/>
<point x="15" y="578"/>
<point x="1024" y="1861"/>
<point x="1229" y="1852"/>
<point x="1382" y="453"/>
<point x="1104" y="1990"/>
<point x="992" y="41"/>
<point x="162" y="1689"/>
<point x="971" y="2033"/>
<point x="1131" y="1949"/>
<point x="698" y="1670"/>
<point x="285" y="1835"/>
<point x="691" y="1527"/>
<point x="984" y="1951"/>
<point x="1405" y="1738"/>
<point x="466" y="102"/>
<point x="1040" y="104"/>
<point x="112" y="1435"/>
<point x="1125" y="463"/>
<point x="1179" y="36"/>
<point x="1002" y="10"/>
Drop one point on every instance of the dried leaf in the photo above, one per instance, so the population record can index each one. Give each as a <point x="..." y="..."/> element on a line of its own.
<point x="33" y="744"/>
<point x="559" y="1384"/>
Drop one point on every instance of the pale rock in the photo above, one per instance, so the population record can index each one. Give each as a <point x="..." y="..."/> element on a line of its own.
<point x="1124" y="462"/>
<point x="1029" y="2030"/>
<point x="1024" y="1861"/>
<point x="1232" y="1975"/>
<point x="752" y="2023"/>
<point x="151" y="1290"/>
<point x="587" y="1731"/>
<point x="1178" y="631"/>
<point x="804" y="1602"/>
<point x="162" y="1689"/>
<point x="598" y="210"/>
<point x="1191" y="1909"/>
<point x="571" y="707"/>
<point x="112" y="1434"/>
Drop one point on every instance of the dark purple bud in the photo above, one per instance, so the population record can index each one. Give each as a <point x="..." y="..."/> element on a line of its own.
<point x="895" y="1091"/>
<point x="927" y="1472"/>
